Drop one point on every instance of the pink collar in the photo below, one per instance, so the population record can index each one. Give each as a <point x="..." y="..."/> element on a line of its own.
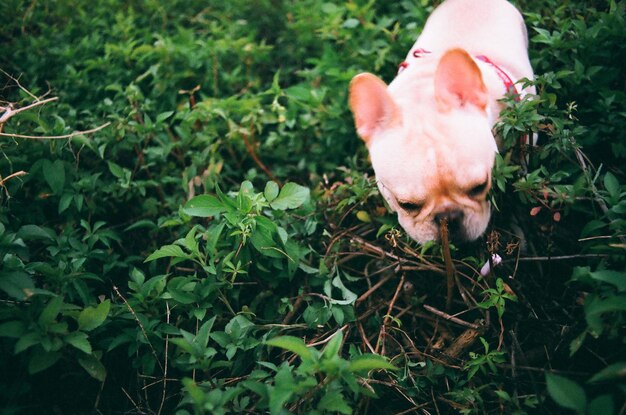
<point x="506" y="79"/>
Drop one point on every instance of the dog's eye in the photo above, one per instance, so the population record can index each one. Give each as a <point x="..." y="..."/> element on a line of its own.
<point x="479" y="189"/>
<point x="410" y="207"/>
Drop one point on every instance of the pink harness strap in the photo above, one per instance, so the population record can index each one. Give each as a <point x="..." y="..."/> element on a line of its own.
<point x="506" y="79"/>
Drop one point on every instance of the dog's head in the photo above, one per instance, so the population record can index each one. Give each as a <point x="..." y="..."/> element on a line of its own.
<point x="431" y="144"/>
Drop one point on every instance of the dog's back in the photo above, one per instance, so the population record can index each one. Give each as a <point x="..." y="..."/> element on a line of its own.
<point x="429" y="132"/>
<point x="494" y="28"/>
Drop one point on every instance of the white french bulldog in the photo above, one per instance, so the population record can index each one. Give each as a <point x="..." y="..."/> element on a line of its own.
<point x="429" y="133"/>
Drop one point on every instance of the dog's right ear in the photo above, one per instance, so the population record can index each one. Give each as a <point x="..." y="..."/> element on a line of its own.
<point x="458" y="81"/>
<point x="371" y="105"/>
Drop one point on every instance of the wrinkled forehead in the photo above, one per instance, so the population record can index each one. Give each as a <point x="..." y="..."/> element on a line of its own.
<point x="460" y="150"/>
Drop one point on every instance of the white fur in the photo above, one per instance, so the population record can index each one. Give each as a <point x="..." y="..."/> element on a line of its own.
<point x="429" y="144"/>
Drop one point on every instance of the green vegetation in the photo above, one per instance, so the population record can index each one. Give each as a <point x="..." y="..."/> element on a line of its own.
<point x="219" y="245"/>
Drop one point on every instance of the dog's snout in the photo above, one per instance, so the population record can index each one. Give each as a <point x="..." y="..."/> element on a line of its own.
<point x="454" y="220"/>
<point x="450" y="215"/>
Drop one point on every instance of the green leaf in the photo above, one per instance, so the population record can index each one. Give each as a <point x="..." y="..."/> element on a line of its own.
<point x="257" y="387"/>
<point x="167" y="251"/>
<point x="610" y="373"/>
<point x="595" y="307"/>
<point x="17" y="284"/>
<point x="163" y="116"/>
<point x="145" y="223"/>
<point x="182" y="296"/>
<point x="271" y="191"/>
<point x="199" y="313"/>
<point x="367" y="362"/>
<point x="618" y="279"/>
<point x="338" y="314"/>
<point x="50" y="312"/>
<point x="502" y="395"/>
<point x="566" y="392"/>
<point x="349" y="296"/>
<point x="577" y="343"/>
<point x="93" y="366"/>
<point x="283" y="389"/>
<point x="612" y="185"/>
<point x="350" y="23"/>
<point x="293" y="344"/>
<point x="192" y="389"/>
<point x="298" y="93"/>
<point x="316" y="314"/>
<point x="363" y="216"/>
<point x="238" y="328"/>
<point x="334" y="402"/>
<point x="27" y="340"/>
<point x="116" y="170"/>
<point x="329" y="8"/>
<point x="602" y="405"/>
<point x="65" y="202"/>
<point x="291" y="196"/>
<point x="190" y="241"/>
<point x="294" y="253"/>
<point x="262" y="238"/>
<point x="278" y="397"/>
<point x="591" y="227"/>
<point x="91" y="318"/>
<point x="14" y="329"/>
<point x="79" y="340"/>
<point x="41" y="360"/>
<point x="213" y="236"/>
<point x="54" y="173"/>
<point x="34" y="232"/>
<point x="204" y="206"/>
<point x="333" y="346"/>
<point x="202" y="338"/>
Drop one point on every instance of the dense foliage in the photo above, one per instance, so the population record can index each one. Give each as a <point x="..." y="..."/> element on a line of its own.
<point x="219" y="245"/>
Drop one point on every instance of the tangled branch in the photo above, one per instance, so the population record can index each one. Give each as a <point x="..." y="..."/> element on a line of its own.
<point x="9" y="110"/>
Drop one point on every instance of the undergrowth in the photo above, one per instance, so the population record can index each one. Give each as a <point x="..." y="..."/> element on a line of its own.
<point x="218" y="245"/>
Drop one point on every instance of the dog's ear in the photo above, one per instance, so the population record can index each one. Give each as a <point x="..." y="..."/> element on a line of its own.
<point x="371" y="105"/>
<point x="459" y="82"/>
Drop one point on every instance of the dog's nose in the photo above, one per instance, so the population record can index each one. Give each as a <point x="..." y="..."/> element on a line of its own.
<point x="451" y="215"/>
<point x="454" y="219"/>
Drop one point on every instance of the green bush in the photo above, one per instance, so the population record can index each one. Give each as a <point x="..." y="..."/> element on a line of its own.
<point x="218" y="244"/>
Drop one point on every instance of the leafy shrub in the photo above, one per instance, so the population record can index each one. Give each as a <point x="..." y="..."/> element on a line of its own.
<point x="218" y="245"/>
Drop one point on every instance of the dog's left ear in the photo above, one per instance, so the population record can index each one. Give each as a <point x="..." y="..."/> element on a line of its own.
<point x="372" y="106"/>
<point x="459" y="82"/>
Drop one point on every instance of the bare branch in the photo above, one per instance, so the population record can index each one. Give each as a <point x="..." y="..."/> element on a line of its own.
<point x="11" y="176"/>
<point x="143" y="330"/>
<point x="451" y="318"/>
<point x="20" y="85"/>
<point x="56" y="137"/>
<point x="9" y="112"/>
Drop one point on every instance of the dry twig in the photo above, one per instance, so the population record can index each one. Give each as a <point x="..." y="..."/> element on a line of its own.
<point x="56" y="137"/>
<point x="375" y="287"/>
<point x="450" y="270"/>
<point x="383" y="329"/>
<point x="461" y="343"/>
<point x="167" y="342"/>
<point x="143" y="330"/>
<point x="453" y="319"/>
<point x="9" y="111"/>
<point x="3" y="180"/>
